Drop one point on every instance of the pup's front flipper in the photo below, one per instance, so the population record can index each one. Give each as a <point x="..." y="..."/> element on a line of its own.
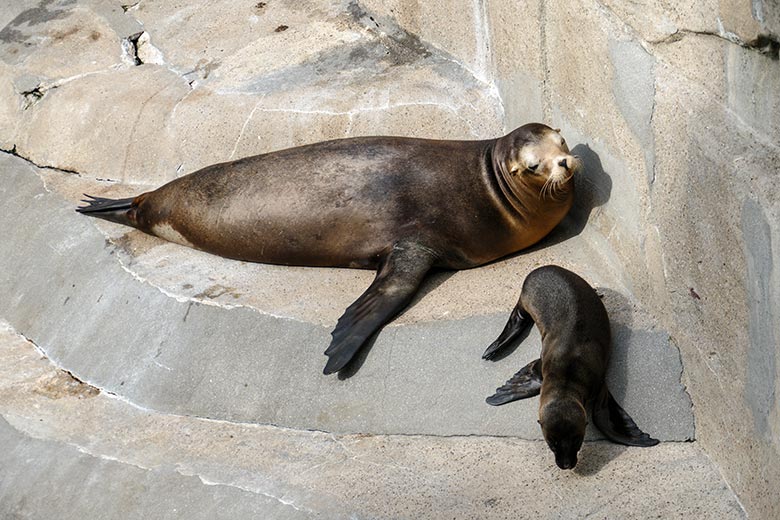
<point x="518" y="322"/>
<point x="526" y="383"/>
<point x="616" y="424"/>
<point x="397" y="280"/>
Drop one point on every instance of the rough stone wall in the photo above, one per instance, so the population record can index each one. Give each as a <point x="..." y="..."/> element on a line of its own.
<point x="680" y="103"/>
<point x="677" y="103"/>
<point x="208" y="82"/>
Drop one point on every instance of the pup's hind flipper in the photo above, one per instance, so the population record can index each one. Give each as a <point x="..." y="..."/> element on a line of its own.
<point x="519" y="321"/>
<point x="616" y="424"/>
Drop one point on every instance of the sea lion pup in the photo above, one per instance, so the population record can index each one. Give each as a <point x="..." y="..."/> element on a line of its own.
<point x="399" y="205"/>
<point x="576" y="346"/>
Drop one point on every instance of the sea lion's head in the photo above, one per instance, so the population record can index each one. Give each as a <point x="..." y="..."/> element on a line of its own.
<point x="563" y="424"/>
<point x="536" y="157"/>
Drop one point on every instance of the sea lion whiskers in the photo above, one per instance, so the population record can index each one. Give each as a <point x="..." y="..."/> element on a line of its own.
<point x="554" y="187"/>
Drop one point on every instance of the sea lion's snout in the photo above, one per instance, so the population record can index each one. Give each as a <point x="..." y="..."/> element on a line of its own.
<point x="566" y="454"/>
<point x="575" y="163"/>
<point x="566" y="165"/>
<point x="563" y="424"/>
<point x="563" y="167"/>
<point x="566" y="461"/>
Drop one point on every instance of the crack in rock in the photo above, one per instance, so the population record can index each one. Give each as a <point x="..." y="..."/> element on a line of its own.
<point x="31" y="97"/>
<point x="137" y="49"/>
<point x="765" y="44"/>
<point x="60" y="382"/>
<point x="130" y="7"/>
<point x="130" y="49"/>
<point x="15" y="153"/>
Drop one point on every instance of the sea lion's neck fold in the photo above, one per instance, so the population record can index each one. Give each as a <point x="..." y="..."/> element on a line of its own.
<point x="508" y="191"/>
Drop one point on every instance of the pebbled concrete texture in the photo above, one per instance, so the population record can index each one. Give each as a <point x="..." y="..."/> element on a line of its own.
<point x="673" y="108"/>
<point x="71" y="447"/>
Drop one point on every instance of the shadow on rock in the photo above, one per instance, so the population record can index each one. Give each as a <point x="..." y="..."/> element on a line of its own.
<point x="621" y="315"/>
<point x="594" y="456"/>
<point x="592" y="188"/>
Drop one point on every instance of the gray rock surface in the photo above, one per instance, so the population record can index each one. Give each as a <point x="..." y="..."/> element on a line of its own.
<point x="672" y="106"/>
<point x="196" y="356"/>
<point x="71" y="450"/>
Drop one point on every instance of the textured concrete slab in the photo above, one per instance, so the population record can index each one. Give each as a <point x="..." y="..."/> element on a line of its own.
<point x="73" y="450"/>
<point x="172" y="352"/>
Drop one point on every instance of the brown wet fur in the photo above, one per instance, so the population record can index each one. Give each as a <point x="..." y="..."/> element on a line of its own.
<point x="398" y="205"/>
<point x="347" y="202"/>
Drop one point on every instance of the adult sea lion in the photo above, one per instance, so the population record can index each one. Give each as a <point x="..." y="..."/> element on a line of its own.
<point x="576" y="346"/>
<point x="399" y="205"/>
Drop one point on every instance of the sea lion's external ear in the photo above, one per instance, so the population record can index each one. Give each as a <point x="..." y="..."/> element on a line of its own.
<point x="616" y="424"/>
<point x="557" y="130"/>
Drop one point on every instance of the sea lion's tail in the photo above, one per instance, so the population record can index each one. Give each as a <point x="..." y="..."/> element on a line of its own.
<point x="113" y="210"/>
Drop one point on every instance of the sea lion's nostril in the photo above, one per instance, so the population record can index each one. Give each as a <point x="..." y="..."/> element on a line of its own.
<point x="563" y="163"/>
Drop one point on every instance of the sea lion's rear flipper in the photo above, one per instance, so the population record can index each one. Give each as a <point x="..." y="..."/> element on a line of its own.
<point x="519" y="321"/>
<point x="526" y="383"/>
<point x="616" y="424"/>
<point x="396" y="282"/>
<point x="113" y="210"/>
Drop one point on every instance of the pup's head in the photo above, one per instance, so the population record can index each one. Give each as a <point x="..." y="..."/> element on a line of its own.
<point x="563" y="425"/>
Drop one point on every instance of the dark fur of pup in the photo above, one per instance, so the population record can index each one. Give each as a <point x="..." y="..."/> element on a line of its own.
<point x="570" y="374"/>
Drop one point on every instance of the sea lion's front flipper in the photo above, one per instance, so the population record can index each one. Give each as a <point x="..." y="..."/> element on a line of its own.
<point x="518" y="322"/>
<point x="526" y="383"/>
<point x="616" y="424"/>
<point x="396" y="282"/>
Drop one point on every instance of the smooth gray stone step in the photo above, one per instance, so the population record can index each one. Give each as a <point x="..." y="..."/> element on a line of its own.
<point x="71" y="451"/>
<point x="67" y="292"/>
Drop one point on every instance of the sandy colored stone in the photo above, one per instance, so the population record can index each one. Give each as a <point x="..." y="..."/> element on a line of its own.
<point x="119" y="453"/>
<point x="11" y="106"/>
<point x="107" y="125"/>
<point x="463" y="36"/>
<point x="188" y="106"/>
<point x="674" y="114"/>
<point x="721" y="163"/>
<point x="518" y="53"/>
<point x="77" y="44"/>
